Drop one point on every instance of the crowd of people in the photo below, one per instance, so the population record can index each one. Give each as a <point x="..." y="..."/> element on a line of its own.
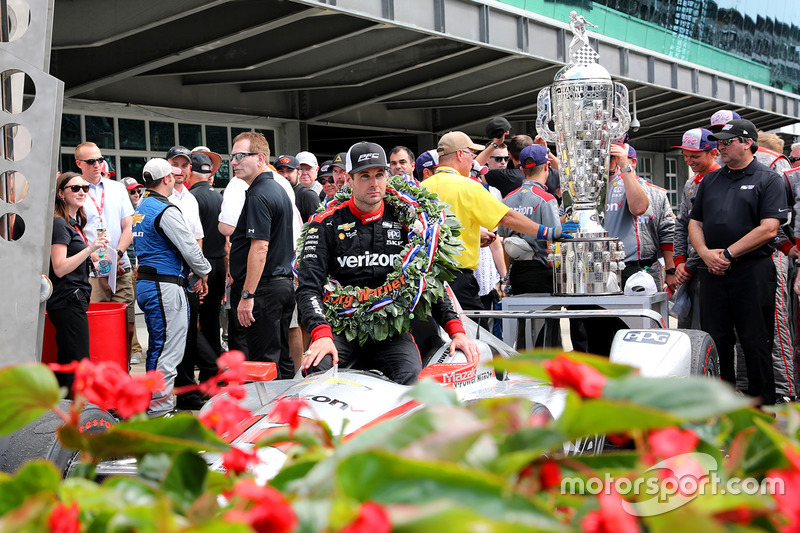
<point x="184" y="251"/>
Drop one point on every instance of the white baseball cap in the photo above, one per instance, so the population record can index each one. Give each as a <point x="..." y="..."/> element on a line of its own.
<point x="307" y="158"/>
<point x="158" y="168"/>
<point x="640" y="284"/>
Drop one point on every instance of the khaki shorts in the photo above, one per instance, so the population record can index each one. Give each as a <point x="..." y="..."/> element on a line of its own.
<point x="124" y="293"/>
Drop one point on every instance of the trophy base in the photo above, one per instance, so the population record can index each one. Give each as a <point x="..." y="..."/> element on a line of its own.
<point x="589" y="264"/>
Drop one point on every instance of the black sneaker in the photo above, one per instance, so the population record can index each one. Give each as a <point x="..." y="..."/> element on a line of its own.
<point x="191" y="401"/>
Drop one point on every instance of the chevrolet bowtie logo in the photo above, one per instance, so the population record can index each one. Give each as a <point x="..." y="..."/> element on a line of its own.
<point x="137" y="217"/>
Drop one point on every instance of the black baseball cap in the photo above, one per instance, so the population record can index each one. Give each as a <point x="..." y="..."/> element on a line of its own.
<point x="365" y="155"/>
<point x="288" y="161"/>
<point x="736" y="128"/>
<point x="201" y="163"/>
<point x="339" y="161"/>
<point x="325" y="169"/>
<point x="497" y="127"/>
<point x="177" y="151"/>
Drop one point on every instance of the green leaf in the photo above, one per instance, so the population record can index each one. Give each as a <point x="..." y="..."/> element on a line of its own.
<point x="33" y="478"/>
<point x="530" y="363"/>
<point x="185" y="481"/>
<point x="449" y="517"/>
<point x="388" y="479"/>
<point x="601" y="416"/>
<point x="28" y="391"/>
<point x="183" y="432"/>
<point x="690" y="398"/>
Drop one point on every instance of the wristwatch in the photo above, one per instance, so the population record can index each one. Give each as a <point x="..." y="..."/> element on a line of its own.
<point x="727" y="255"/>
<point x="247" y="295"/>
<point x="120" y="253"/>
<point x="493" y="144"/>
<point x="628" y="168"/>
<point x="670" y="271"/>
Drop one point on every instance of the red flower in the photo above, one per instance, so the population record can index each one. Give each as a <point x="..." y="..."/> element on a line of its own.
<point x="549" y="475"/>
<point x="740" y="515"/>
<point x="236" y="460"/>
<point x="672" y="441"/>
<point x="231" y="367"/>
<point x="611" y="518"/>
<point x="584" y="379"/>
<point x="786" y="495"/>
<point x="372" y="518"/>
<point x="262" y="508"/>
<point x="64" y="519"/>
<point x="108" y="386"/>
<point x="224" y="415"/>
<point x="287" y="412"/>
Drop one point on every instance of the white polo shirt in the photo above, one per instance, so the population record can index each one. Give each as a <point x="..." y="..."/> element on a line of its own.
<point x="113" y="198"/>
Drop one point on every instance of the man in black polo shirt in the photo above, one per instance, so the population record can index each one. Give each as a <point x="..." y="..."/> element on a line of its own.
<point x="305" y="199"/>
<point x="261" y="254"/>
<point x="734" y="219"/>
<point x="209" y="203"/>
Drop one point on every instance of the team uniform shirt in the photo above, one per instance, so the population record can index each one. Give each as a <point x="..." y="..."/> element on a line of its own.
<point x="306" y="201"/>
<point x="209" y="204"/>
<point x="533" y="201"/>
<point x="164" y="247"/>
<point x="187" y="203"/>
<point x="781" y="164"/>
<point x="266" y="215"/>
<point x="112" y="198"/>
<point x="621" y="223"/>
<point x="684" y="251"/>
<point x="730" y="203"/>
<point x="472" y="204"/>
<point x="657" y="224"/>
<point x="358" y="249"/>
<point x="793" y="177"/>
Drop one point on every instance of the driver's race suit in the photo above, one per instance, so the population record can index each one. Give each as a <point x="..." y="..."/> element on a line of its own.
<point x="359" y="249"/>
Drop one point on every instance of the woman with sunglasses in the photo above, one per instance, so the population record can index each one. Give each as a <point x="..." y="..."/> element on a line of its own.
<point x="70" y="261"/>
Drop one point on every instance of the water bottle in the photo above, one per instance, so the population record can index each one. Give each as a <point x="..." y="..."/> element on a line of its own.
<point x="103" y="264"/>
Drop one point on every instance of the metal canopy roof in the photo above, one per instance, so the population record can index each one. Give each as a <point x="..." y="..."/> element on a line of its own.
<point x="403" y="66"/>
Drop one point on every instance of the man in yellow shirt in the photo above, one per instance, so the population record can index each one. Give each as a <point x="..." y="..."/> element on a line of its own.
<point x="475" y="207"/>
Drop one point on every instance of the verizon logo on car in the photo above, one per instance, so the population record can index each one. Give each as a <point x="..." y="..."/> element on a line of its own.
<point x="366" y="259"/>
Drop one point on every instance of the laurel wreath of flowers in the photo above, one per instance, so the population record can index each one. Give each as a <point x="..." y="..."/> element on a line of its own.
<point x="362" y="320"/>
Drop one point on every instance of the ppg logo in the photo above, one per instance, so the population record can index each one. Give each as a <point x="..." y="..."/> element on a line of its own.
<point x="364" y="157"/>
<point x="647" y="337"/>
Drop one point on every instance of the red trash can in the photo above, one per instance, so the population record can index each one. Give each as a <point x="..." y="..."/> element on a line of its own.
<point x="108" y="339"/>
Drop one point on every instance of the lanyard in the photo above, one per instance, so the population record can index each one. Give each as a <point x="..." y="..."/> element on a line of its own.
<point x="78" y="229"/>
<point x="102" y="202"/>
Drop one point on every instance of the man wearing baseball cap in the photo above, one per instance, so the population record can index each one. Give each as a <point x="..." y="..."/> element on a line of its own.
<point x="327" y="181"/>
<point x="722" y="117"/>
<point x="167" y="254"/>
<point x="337" y="242"/>
<point x="700" y="155"/>
<point x="530" y="270"/>
<point x="305" y="199"/>
<point x="308" y="170"/>
<point x="426" y="164"/>
<point x="734" y="219"/>
<point x="475" y="207"/>
<point x="339" y="170"/>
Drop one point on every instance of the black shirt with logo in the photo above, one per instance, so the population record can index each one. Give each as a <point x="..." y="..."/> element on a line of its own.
<point x="267" y="216"/>
<point x="209" y="203"/>
<point x="731" y="203"/>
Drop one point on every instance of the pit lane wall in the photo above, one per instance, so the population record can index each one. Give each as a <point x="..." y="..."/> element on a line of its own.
<point x="31" y="118"/>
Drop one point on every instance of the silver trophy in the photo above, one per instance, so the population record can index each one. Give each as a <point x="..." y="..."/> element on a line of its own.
<point x="588" y="111"/>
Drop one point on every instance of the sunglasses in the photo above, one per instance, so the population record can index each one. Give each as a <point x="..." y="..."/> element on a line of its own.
<point x="324" y="180"/>
<point x="135" y="191"/>
<point x="500" y="158"/>
<point x="76" y="188"/>
<point x="93" y="161"/>
<point x="794" y="159"/>
<point x="728" y="142"/>
<point x="241" y="155"/>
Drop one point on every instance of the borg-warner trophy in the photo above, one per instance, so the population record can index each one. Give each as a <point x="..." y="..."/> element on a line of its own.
<point x="588" y="111"/>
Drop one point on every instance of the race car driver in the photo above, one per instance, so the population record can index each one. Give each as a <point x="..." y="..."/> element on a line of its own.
<point x="372" y="230"/>
<point x="166" y="252"/>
